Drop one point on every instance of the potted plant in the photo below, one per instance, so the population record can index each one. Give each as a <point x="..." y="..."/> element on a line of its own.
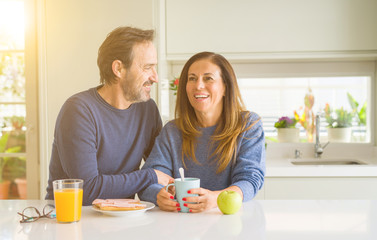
<point x="339" y="124"/>
<point x="287" y="131"/>
<point x="4" y="184"/>
<point x="13" y="168"/>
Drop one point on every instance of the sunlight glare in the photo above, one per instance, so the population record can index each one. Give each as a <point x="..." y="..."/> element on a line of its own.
<point x="12" y="25"/>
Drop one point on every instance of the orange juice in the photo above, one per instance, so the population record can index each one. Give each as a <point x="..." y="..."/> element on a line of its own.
<point x="68" y="203"/>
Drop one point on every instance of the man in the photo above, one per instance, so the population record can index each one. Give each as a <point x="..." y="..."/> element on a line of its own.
<point x="102" y="134"/>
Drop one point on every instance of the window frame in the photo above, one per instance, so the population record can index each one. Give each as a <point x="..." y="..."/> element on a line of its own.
<point x="31" y="100"/>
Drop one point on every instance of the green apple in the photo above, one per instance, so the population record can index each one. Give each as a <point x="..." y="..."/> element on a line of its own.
<point x="229" y="202"/>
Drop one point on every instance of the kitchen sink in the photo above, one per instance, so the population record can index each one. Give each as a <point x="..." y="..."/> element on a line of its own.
<point x="324" y="161"/>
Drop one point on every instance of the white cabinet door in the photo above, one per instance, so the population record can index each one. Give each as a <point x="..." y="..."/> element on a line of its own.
<point x="260" y="194"/>
<point x="272" y="28"/>
<point x="321" y="188"/>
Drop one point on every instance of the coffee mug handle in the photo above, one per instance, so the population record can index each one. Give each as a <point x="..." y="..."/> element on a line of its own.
<point x="167" y="186"/>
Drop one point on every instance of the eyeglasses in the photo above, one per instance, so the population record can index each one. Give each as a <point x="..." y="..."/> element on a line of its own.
<point x="31" y="214"/>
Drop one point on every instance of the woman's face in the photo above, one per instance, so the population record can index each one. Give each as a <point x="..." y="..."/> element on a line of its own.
<point x="205" y="89"/>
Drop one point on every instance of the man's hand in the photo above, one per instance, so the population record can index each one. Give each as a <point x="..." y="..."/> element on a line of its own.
<point x="163" y="178"/>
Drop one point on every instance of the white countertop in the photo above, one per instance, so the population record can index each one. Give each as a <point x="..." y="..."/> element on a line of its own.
<point x="265" y="219"/>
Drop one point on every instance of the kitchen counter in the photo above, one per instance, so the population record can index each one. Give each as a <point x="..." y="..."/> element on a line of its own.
<point x="279" y="219"/>
<point x="279" y="156"/>
<point x="284" y="168"/>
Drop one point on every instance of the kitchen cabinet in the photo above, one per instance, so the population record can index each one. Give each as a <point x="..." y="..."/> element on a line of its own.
<point x="319" y="188"/>
<point x="251" y="29"/>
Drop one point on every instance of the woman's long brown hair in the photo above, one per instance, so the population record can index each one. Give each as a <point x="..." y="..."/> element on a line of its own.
<point x="233" y="120"/>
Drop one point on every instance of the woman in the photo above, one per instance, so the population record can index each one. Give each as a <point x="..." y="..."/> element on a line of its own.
<point x="212" y="137"/>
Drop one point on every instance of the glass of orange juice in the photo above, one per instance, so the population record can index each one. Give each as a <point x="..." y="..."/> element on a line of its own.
<point x="68" y="199"/>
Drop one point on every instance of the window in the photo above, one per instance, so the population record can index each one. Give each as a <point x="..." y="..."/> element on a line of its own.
<point x="273" y="98"/>
<point x="17" y="101"/>
<point x="341" y="95"/>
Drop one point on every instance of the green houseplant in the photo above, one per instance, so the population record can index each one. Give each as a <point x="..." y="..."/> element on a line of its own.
<point x="287" y="131"/>
<point x="339" y="124"/>
<point x="361" y="115"/>
<point x="4" y="184"/>
<point x="11" y="168"/>
<point x="338" y="118"/>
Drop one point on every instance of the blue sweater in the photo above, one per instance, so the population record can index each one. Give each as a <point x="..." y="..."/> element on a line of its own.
<point x="247" y="173"/>
<point x="103" y="146"/>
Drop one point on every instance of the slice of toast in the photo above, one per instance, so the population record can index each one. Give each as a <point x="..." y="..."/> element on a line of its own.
<point x="118" y="204"/>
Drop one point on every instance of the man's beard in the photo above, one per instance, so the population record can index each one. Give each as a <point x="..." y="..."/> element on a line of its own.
<point x="132" y="93"/>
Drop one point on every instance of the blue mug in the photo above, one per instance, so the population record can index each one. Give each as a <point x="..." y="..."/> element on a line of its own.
<point x="181" y="188"/>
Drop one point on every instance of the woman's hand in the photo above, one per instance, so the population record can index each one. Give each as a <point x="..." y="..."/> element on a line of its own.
<point x="165" y="202"/>
<point x="206" y="200"/>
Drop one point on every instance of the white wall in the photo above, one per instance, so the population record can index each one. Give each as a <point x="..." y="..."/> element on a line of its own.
<point x="74" y="30"/>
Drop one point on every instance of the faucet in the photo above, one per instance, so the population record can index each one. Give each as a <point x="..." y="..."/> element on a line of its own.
<point x="318" y="149"/>
<point x="298" y="154"/>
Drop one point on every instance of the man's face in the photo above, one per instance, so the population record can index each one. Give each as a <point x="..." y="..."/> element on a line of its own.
<point x="138" y="79"/>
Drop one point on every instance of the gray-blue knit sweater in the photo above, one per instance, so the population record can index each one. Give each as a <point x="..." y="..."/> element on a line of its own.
<point x="247" y="173"/>
<point x="103" y="146"/>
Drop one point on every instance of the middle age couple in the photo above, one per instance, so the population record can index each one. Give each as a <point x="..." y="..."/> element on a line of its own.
<point x="213" y="137"/>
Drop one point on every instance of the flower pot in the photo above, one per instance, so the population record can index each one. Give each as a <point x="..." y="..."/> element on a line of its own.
<point x="288" y="135"/>
<point x="4" y="189"/>
<point x="339" y="134"/>
<point x="21" y="187"/>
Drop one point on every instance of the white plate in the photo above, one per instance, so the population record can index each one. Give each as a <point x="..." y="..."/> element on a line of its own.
<point x="128" y="212"/>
